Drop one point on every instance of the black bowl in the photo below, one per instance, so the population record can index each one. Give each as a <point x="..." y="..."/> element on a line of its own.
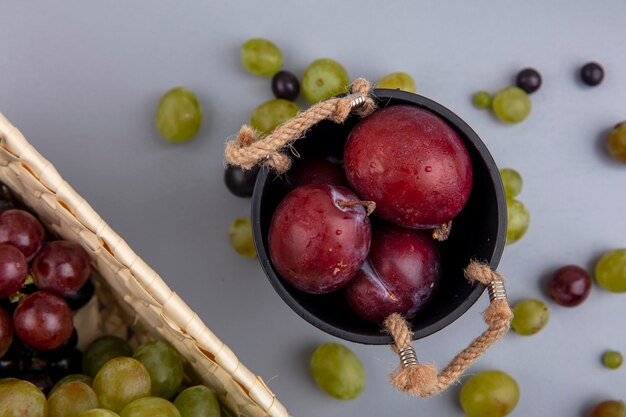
<point x="478" y="232"/>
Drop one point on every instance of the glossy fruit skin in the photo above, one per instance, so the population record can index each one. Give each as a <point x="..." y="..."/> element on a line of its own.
<point x="85" y="379"/>
<point x="610" y="408"/>
<point x="81" y="297"/>
<point x="271" y="114"/>
<point x="150" y="407"/>
<point x="482" y="100"/>
<point x="489" y="394"/>
<point x="120" y="381"/>
<point x="338" y="371"/>
<point x="240" y="181"/>
<point x="6" y="331"/>
<point x="612" y="359"/>
<point x="22" y="230"/>
<point x="101" y="351"/>
<point x="402" y="274"/>
<point x="316" y="170"/>
<point x="518" y="220"/>
<point x="241" y="238"/>
<point x="13" y="269"/>
<point x="412" y="164"/>
<point x="165" y="366"/>
<point x="530" y="316"/>
<point x="21" y="398"/>
<point x="511" y="105"/>
<point x="43" y="321"/>
<point x="62" y="267"/>
<point x="316" y="245"/>
<point x="324" y="78"/>
<point x="569" y="286"/>
<point x="398" y="81"/>
<point x="528" y="80"/>
<point x="99" y="412"/>
<point x="285" y="85"/>
<point x="616" y="142"/>
<point x="197" y="401"/>
<point x="71" y="400"/>
<point x="512" y="182"/>
<point x="611" y="271"/>
<point x="179" y="115"/>
<point x="261" y="57"/>
<point x="592" y="74"/>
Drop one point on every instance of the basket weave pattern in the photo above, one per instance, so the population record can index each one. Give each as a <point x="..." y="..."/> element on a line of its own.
<point x="126" y="284"/>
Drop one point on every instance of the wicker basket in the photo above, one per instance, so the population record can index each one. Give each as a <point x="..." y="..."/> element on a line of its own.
<point x="132" y="300"/>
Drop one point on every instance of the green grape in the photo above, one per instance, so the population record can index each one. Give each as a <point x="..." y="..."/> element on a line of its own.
<point x="99" y="412"/>
<point x="610" y="408"/>
<point x="261" y="57"/>
<point x="482" y="100"/>
<point x="71" y="400"/>
<point x="20" y="398"/>
<point x="150" y="407"/>
<point x="165" y="366"/>
<point x="121" y="381"/>
<point x="612" y="359"/>
<point x="511" y="105"/>
<point x="529" y="317"/>
<point x="338" y="371"/>
<point x="179" y="115"/>
<point x="611" y="270"/>
<point x="489" y="394"/>
<point x="323" y="79"/>
<point x="197" y="401"/>
<point x="101" y="351"/>
<point x="398" y="80"/>
<point x="517" y="218"/>
<point x="72" y="378"/>
<point x="512" y="181"/>
<point x="616" y="142"/>
<point x="241" y="236"/>
<point x="271" y="114"/>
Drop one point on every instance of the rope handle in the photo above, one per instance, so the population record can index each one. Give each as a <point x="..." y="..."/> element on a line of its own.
<point x="423" y="379"/>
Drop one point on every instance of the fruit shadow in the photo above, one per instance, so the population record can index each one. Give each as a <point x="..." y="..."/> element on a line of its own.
<point x="301" y="360"/>
<point x="600" y="147"/>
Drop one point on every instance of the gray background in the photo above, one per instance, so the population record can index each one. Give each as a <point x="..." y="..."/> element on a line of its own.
<point x="81" y="79"/>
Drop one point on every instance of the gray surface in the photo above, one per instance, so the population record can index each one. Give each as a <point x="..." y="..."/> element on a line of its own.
<point x="81" y="80"/>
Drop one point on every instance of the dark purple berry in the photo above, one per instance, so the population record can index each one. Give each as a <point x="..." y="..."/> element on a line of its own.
<point x="528" y="80"/>
<point x="592" y="74"/>
<point x="240" y="181"/>
<point x="285" y="85"/>
<point x="81" y="297"/>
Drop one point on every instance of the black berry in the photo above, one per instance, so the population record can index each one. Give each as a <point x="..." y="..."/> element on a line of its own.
<point x="239" y="181"/>
<point x="592" y="74"/>
<point x="528" y="80"/>
<point x="285" y="85"/>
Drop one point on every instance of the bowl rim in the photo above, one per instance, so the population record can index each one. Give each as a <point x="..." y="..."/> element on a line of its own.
<point x="380" y="96"/>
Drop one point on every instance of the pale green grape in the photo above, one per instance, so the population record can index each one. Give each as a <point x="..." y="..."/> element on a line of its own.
<point x="338" y="371"/>
<point x="101" y="351"/>
<point x="179" y="115"/>
<point x="612" y="359"/>
<point x="197" y="401"/>
<point x="610" y="408"/>
<point x="165" y="366"/>
<point x="489" y="394"/>
<point x="99" y="412"/>
<point x="71" y="399"/>
<point x="121" y="381"/>
<point x="518" y="220"/>
<point x="397" y="80"/>
<point x="616" y="142"/>
<point x="241" y="236"/>
<point x="71" y="378"/>
<point x="529" y="317"/>
<point x="482" y="100"/>
<point x="271" y="114"/>
<point x="323" y="79"/>
<point x="511" y="105"/>
<point x="512" y="181"/>
<point x="150" y="407"/>
<point x="261" y="57"/>
<point x="20" y="398"/>
<point x="611" y="270"/>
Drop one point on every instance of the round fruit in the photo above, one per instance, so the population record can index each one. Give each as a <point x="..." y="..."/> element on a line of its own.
<point x="62" y="267"/>
<point x="21" y="398"/>
<point x="518" y="220"/>
<point x="285" y="85"/>
<point x="241" y="236"/>
<point x="101" y="351"/>
<point x="240" y="181"/>
<point x="397" y="81"/>
<point x="22" y="230"/>
<point x="529" y="317"/>
<point x="511" y="105"/>
<point x="197" y="401"/>
<point x="72" y="378"/>
<point x="612" y="359"/>
<point x="261" y="57"/>
<point x="13" y="269"/>
<point x="616" y="142"/>
<point x="150" y="407"/>
<point x="489" y="394"/>
<point x="528" y="80"/>
<point x="81" y="297"/>
<point x="179" y="115"/>
<point x="482" y="100"/>
<point x="43" y="321"/>
<point x="99" y="412"/>
<point x="71" y="400"/>
<point x="319" y="237"/>
<point x="6" y="331"/>
<point x="610" y="408"/>
<point x="512" y="182"/>
<point x="338" y="371"/>
<point x="611" y="271"/>
<point x="316" y="170"/>
<point x="592" y="74"/>
<point x="165" y="366"/>
<point x="323" y="79"/>
<point x="271" y="114"/>
<point x="569" y="286"/>
<point x="412" y="164"/>
<point x="121" y="381"/>
<point x="402" y="274"/>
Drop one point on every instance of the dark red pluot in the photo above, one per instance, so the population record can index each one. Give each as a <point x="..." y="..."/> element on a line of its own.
<point x="569" y="286"/>
<point x="402" y="274"/>
<point x="6" y="331"/>
<point x="43" y="321"/>
<point x="411" y="163"/>
<point x="62" y="267"/>
<point x="315" y="244"/>
<point x="13" y="269"/>
<point x="22" y="230"/>
<point x="316" y="170"/>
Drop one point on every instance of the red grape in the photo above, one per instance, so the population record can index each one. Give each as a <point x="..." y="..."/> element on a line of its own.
<point x="402" y="274"/>
<point x="22" y="230"/>
<point x="316" y="242"/>
<point x="43" y="321"/>
<point x="412" y="164"/>
<point x="317" y="170"/>
<point x="569" y="286"/>
<point x="6" y="331"/>
<point x="62" y="267"/>
<point x="13" y="270"/>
